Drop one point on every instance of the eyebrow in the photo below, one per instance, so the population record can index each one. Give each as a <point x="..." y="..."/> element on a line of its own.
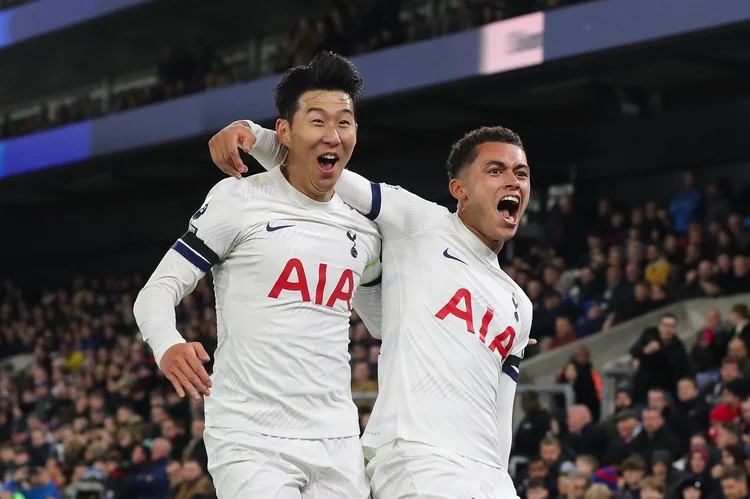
<point x="323" y="111"/>
<point x="494" y="162"/>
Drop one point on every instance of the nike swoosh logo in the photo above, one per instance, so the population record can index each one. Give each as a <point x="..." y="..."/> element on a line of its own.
<point x="271" y="229"/>
<point x="448" y="255"/>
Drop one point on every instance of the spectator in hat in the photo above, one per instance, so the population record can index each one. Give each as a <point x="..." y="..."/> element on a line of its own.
<point x="697" y="468"/>
<point x="691" y="488"/>
<point x="607" y="476"/>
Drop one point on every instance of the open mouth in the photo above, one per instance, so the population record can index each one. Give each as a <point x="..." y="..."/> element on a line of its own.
<point x="327" y="162"/>
<point x="508" y="208"/>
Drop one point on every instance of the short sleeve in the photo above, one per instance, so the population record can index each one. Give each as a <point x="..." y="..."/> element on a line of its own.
<point x="215" y="229"/>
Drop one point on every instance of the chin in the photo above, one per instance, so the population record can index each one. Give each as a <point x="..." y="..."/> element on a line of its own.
<point x="507" y="233"/>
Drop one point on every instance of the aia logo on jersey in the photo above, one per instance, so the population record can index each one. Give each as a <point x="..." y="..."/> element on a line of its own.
<point x="201" y="210"/>
<point x="460" y="306"/>
<point x="294" y="279"/>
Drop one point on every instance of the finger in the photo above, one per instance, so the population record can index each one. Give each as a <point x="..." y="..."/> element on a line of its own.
<point x="191" y="372"/>
<point x="237" y="160"/>
<point x="176" y="384"/>
<point x="532" y="341"/>
<point x="227" y="166"/>
<point x="186" y="383"/>
<point x="200" y="372"/>
<point x="201" y="352"/>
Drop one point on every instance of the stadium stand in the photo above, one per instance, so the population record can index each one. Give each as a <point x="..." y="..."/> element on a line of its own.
<point x="639" y="384"/>
<point x="351" y="28"/>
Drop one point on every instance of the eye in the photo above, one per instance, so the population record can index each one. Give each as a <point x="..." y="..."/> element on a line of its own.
<point x="523" y="174"/>
<point x="495" y="171"/>
<point x="317" y="120"/>
<point x="344" y="122"/>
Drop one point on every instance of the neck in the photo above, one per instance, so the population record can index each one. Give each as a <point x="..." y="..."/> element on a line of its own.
<point x="495" y="246"/>
<point x="295" y="175"/>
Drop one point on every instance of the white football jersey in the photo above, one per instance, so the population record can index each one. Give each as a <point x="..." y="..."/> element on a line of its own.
<point x="454" y="330"/>
<point x="285" y="268"/>
<point x="454" y="325"/>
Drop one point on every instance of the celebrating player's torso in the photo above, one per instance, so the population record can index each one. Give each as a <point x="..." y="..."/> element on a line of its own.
<point x="284" y="289"/>
<point x="454" y="329"/>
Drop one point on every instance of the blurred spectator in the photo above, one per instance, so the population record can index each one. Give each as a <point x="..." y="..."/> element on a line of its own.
<point x="662" y="358"/>
<point x="655" y="436"/>
<point x="685" y="206"/>
<point x="584" y="435"/>
<point x="734" y="483"/>
<point x="532" y="428"/>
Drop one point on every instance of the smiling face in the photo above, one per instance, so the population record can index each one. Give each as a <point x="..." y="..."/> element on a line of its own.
<point x="493" y="191"/>
<point x="320" y="138"/>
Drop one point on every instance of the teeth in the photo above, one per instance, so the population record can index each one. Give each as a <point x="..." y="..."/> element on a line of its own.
<point x="329" y="156"/>
<point x="511" y="219"/>
<point x="510" y="198"/>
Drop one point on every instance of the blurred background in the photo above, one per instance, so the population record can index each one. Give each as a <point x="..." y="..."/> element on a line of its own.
<point x="635" y="249"/>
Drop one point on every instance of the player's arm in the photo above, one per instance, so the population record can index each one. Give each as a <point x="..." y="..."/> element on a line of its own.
<point x="213" y="231"/>
<point x="398" y="212"/>
<point x="367" y="299"/>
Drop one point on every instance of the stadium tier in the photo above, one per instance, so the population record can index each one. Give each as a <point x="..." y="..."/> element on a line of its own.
<point x="613" y="230"/>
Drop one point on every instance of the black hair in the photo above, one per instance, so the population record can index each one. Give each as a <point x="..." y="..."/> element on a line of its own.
<point x="327" y="71"/>
<point x="464" y="152"/>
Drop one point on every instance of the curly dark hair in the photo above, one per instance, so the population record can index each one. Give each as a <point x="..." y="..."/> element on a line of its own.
<point x="327" y="71"/>
<point x="464" y="151"/>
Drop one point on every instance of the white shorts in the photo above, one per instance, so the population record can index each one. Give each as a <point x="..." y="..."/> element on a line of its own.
<point x="403" y="470"/>
<point x="250" y="465"/>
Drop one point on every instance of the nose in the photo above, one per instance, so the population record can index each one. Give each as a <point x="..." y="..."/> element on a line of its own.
<point x="510" y="180"/>
<point x="331" y="136"/>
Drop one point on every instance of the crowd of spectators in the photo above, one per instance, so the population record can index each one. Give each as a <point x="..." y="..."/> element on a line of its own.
<point x="353" y="27"/>
<point x="681" y="426"/>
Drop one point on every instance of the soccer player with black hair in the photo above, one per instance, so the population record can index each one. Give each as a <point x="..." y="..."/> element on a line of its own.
<point x="289" y="261"/>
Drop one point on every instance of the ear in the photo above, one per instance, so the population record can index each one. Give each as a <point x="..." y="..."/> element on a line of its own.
<point x="456" y="188"/>
<point x="283" y="131"/>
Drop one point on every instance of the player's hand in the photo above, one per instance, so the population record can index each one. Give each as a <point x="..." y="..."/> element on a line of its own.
<point x="182" y="364"/>
<point x="225" y="144"/>
<point x="532" y="341"/>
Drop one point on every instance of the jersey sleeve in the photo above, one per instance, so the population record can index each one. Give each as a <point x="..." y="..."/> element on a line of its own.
<point x="397" y="212"/>
<point x="212" y="233"/>
<point x="216" y="228"/>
